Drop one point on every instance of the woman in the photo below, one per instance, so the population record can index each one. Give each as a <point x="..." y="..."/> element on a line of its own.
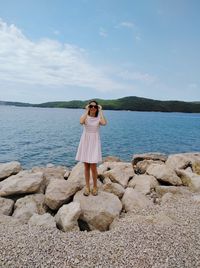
<point x="89" y="149"/>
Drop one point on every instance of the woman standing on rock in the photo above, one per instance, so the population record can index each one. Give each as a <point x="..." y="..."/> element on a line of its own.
<point x="89" y="149"/>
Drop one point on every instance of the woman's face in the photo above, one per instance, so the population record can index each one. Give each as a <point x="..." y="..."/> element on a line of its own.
<point x="93" y="108"/>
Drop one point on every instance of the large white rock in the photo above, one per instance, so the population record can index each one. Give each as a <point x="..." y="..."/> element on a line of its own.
<point x="42" y="220"/>
<point x="143" y="183"/>
<point x="26" y="206"/>
<point x="67" y="217"/>
<point x="98" y="211"/>
<point x="133" y="199"/>
<point x="8" y="169"/>
<point x="148" y="156"/>
<point x="23" y="182"/>
<point x="164" y="173"/>
<point x="114" y="188"/>
<point x="162" y="189"/>
<point x="6" y="206"/>
<point x="189" y="179"/>
<point x="121" y="173"/>
<point x="181" y="161"/>
<point x="52" y="172"/>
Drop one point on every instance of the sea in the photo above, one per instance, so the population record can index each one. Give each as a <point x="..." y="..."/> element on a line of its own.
<point x="39" y="136"/>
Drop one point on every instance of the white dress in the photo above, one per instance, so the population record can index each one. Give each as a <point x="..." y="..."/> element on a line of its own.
<point x="89" y="149"/>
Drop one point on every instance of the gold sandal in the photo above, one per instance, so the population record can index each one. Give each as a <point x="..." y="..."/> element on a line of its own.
<point x="95" y="191"/>
<point x="86" y="191"/>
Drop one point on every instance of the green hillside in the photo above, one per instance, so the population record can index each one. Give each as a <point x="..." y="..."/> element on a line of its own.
<point x="131" y="103"/>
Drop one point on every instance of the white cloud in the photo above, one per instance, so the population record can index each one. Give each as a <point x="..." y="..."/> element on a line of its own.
<point x="137" y="76"/>
<point x="103" y="32"/>
<point x="47" y="63"/>
<point x="127" y="24"/>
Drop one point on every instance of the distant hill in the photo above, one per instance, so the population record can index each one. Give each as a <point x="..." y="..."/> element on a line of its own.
<point x="131" y="103"/>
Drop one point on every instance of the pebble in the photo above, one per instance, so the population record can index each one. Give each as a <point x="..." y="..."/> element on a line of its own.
<point x="129" y="244"/>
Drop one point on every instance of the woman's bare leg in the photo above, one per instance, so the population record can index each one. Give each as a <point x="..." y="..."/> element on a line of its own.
<point x="87" y="174"/>
<point x="94" y="174"/>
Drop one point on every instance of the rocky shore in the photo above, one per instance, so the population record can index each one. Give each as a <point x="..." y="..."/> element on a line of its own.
<point x="146" y="214"/>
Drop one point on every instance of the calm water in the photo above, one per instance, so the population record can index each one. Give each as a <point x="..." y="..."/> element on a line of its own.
<point x="37" y="136"/>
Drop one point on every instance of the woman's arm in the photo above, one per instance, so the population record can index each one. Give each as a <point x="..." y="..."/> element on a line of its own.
<point x="103" y="120"/>
<point x="84" y="116"/>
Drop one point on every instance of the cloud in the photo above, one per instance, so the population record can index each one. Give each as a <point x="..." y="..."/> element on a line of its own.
<point x="103" y="32"/>
<point x="137" y="76"/>
<point x="48" y="63"/>
<point x="127" y="24"/>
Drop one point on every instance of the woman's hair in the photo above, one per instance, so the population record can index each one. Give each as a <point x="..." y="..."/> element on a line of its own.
<point x="97" y="112"/>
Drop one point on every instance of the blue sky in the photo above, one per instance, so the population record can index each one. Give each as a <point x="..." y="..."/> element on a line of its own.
<point x="82" y="49"/>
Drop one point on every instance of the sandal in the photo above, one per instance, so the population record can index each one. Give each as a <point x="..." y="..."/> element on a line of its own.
<point x="95" y="191"/>
<point x="86" y="191"/>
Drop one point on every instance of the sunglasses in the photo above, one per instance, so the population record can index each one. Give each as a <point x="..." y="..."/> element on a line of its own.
<point x="93" y="106"/>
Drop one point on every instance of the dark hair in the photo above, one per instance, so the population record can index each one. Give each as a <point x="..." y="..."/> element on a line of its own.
<point x="97" y="112"/>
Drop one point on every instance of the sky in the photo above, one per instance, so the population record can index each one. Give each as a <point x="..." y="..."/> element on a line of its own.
<point x="83" y="49"/>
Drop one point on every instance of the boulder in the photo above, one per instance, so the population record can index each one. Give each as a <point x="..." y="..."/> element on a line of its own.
<point x="25" y="207"/>
<point x="141" y="166"/>
<point x="162" y="189"/>
<point x="133" y="199"/>
<point x="120" y="173"/>
<point x="6" y="206"/>
<point x="196" y="167"/>
<point x="164" y="174"/>
<point x="42" y="220"/>
<point x="8" y="169"/>
<point x="114" y="188"/>
<point x="143" y="183"/>
<point x="182" y="161"/>
<point x="148" y="156"/>
<point x="111" y="159"/>
<point x="52" y="172"/>
<point x="98" y="211"/>
<point x="9" y="221"/>
<point x="24" y="182"/>
<point x="189" y="179"/>
<point x="67" y="217"/>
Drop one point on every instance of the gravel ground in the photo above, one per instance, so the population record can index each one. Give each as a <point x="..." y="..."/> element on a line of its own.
<point x="130" y="244"/>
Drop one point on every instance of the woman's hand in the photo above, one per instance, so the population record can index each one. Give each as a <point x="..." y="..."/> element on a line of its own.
<point x="100" y="107"/>
<point x="87" y="107"/>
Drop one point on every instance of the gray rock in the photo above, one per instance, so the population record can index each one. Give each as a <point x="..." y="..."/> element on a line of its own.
<point x="23" y="182"/>
<point x="98" y="211"/>
<point x="143" y="183"/>
<point x="67" y="217"/>
<point x="6" y="206"/>
<point x="148" y="156"/>
<point x="45" y="220"/>
<point x="8" y="169"/>
<point x="164" y="174"/>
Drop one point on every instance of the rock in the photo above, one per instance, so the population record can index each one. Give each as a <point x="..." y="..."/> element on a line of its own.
<point x="98" y="211"/>
<point x="143" y="183"/>
<point x="111" y="159"/>
<point x="189" y="179"/>
<point x="120" y="173"/>
<point x="42" y="220"/>
<point x="161" y="190"/>
<point x="25" y="207"/>
<point x="141" y="166"/>
<point x="52" y="172"/>
<point x="148" y="156"/>
<point x="8" y="169"/>
<point x="23" y="182"/>
<point x="6" y="206"/>
<point x="114" y="188"/>
<point x="67" y="217"/>
<point x="59" y="192"/>
<point x="182" y="161"/>
<point x="133" y="199"/>
<point x="8" y="220"/>
<point x="164" y="174"/>
<point x="77" y="176"/>
<point x="196" y="167"/>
